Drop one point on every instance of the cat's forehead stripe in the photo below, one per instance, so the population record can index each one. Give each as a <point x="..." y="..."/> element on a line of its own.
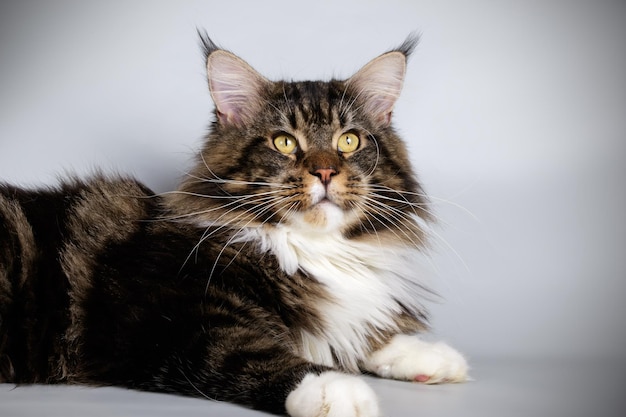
<point x="310" y="103"/>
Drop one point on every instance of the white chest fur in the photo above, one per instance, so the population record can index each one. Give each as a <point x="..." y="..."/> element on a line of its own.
<point x="370" y="284"/>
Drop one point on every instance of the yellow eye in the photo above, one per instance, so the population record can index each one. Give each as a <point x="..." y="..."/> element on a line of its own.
<point x="285" y="144"/>
<point x="348" y="142"/>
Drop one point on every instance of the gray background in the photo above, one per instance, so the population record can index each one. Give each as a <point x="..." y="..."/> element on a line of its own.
<point x="514" y="112"/>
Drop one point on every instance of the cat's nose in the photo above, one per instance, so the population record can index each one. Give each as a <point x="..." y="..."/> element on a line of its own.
<point x="325" y="174"/>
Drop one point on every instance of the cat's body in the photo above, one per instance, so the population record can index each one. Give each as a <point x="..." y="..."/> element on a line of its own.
<point x="291" y="252"/>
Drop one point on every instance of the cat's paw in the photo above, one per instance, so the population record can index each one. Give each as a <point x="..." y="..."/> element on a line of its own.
<point x="409" y="358"/>
<point x="332" y="394"/>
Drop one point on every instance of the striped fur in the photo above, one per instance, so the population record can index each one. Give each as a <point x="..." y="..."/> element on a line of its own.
<point x="262" y="268"/>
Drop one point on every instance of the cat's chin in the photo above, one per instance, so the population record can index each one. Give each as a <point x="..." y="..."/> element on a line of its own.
<point x="324" y="217"/>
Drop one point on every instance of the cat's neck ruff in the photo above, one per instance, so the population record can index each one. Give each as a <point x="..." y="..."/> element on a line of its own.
<point x="370" y="284"/>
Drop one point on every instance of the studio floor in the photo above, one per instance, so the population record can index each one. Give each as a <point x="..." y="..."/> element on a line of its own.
<point x="503" y="387"/>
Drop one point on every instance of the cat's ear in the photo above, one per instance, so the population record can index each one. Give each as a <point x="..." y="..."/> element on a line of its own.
<point x="378" y="84"/>
<point x="235" y="86"/>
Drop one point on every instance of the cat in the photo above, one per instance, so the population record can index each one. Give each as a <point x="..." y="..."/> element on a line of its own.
<point x="286" y="263"/>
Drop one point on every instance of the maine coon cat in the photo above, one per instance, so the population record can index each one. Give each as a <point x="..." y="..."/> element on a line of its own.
<point x="287" y="261"/>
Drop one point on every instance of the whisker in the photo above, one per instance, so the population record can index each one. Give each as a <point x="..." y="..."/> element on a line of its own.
<point x="358" y="206"/>
<point x="243" y="182"/>
<point x="234" y="236"/>
<point x="247" y="199"/>
<point x="397" y="216"/>
<point x="202" y="394"/>
<point x="423" y="195"/>
<point x="423" y="207"/>
<point x="371" y="136"/>
<point x="420" y="206"/>
<point x="288" y="210"/>
<point x="440" y="238"/>
<point x="212" y="196"/>
<point x="212" y="229"/>
<point x="393" y="219"/>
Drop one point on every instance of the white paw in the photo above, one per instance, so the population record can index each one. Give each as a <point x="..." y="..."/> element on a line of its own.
<point x="332" y="394"/>
<point x="409" y="358"/>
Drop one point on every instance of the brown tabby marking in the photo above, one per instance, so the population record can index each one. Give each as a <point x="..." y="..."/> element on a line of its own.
<point x="286" y="254"/>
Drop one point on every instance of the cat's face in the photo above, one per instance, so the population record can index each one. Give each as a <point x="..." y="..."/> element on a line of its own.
<point x="320" y="156"/>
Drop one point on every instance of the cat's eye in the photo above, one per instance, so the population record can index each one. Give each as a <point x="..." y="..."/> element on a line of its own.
<point x="348" y="142"/>
<point x="285" y="144"/>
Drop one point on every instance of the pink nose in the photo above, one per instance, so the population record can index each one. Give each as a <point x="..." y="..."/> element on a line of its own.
<point x="325" y="174"/>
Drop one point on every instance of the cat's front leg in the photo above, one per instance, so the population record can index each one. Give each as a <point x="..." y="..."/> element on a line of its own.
<point x="332" y="394"/>
<point x="411" y="359"/>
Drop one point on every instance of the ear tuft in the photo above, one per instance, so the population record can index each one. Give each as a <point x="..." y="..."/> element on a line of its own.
<point x="206" y="43"/>
<point x="409" y="44"/>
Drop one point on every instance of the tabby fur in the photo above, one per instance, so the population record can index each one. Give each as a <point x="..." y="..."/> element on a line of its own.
<point x="261" y="268"/>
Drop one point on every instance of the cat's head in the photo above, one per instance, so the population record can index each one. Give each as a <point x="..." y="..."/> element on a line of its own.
<point x="317" y="155"/>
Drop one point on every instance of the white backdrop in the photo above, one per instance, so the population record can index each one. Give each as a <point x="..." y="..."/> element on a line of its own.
<point x="515" y="113"/>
